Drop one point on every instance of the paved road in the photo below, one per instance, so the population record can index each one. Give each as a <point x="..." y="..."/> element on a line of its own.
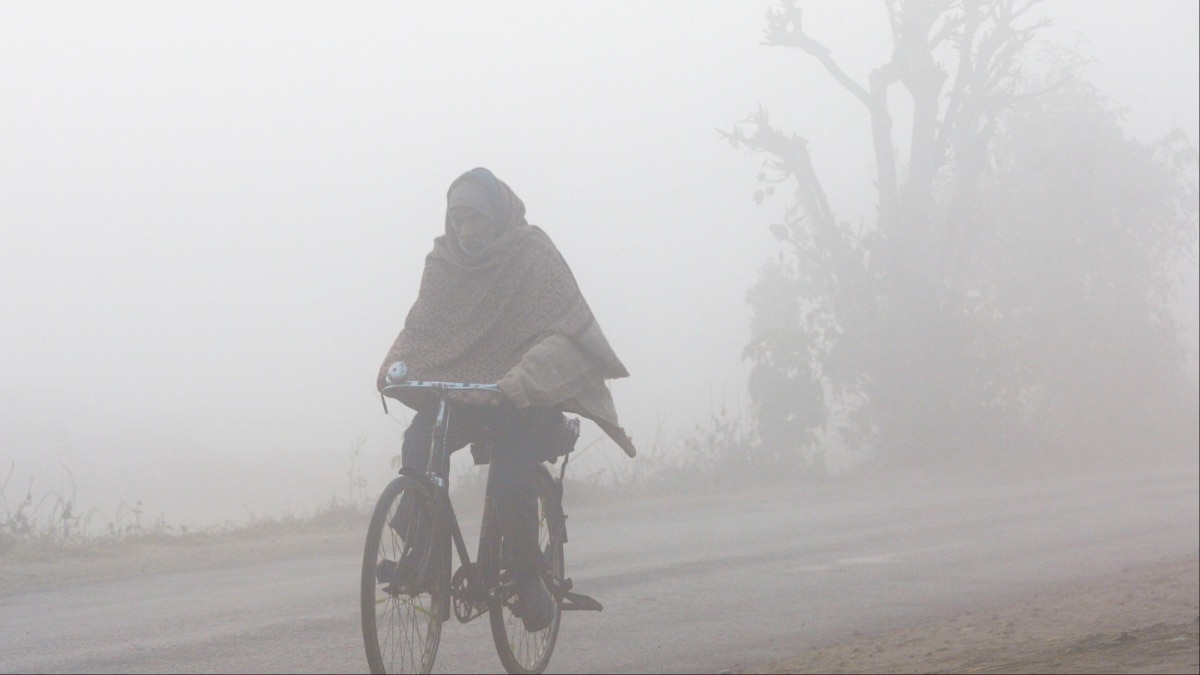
<point x="696" y="585"/>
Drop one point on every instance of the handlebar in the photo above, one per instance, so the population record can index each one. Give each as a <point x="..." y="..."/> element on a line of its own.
<point x="398" y="371"/>
<point x="396" y="382"/>
<point x="442" y="386"/>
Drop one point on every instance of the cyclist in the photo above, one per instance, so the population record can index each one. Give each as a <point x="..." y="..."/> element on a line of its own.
<point x="498" y="303"/>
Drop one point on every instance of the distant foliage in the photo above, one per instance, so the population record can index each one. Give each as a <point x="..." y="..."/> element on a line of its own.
<point x="1013" y="290"/>
<point x="1087" y="227"/>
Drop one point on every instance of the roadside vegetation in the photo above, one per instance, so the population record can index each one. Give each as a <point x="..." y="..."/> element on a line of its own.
<point x="40" y="523"/>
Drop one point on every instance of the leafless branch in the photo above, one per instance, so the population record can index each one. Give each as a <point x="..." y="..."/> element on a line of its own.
<point x="963" y="74"/>
<point x="893" y="19"/>
<point x="1016" y="13"/>
<point x="784" y="29"/>
<point x="950" y="25"/>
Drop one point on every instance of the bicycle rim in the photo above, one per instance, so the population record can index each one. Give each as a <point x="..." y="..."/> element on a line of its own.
<point x="521" y="651"/>
<point x="402" y="622"/>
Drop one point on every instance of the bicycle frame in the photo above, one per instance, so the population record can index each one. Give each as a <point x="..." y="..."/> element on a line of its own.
<point x="438" y="469"/>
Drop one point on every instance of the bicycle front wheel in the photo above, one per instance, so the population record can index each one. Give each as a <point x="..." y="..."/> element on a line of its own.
<point x="405" y="580"/>
<point x="520" y="650"/>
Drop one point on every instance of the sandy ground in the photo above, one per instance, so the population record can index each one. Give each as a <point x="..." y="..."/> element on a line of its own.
<point x="30" y="571"/>
<point x="1141" y="620"/>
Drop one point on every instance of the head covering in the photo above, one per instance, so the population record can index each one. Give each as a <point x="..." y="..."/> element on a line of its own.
<point x="474" y="191"/>
<point x="479" y="189"/>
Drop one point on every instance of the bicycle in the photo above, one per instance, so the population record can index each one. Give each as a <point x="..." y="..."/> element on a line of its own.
<point x="402" y="619"/>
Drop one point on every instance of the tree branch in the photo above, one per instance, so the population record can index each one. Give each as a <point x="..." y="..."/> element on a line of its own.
<point x="881" y="134"/>
<point x="784" y="30"/>
<point x="791" y="158"/>
<point x="893" y="19"/>
<point x="962" y="76"/>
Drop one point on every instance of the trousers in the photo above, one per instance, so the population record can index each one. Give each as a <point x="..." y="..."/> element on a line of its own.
<point x="516" y="438"/>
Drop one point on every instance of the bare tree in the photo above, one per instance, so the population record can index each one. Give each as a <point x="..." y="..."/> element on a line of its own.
<point x="883" y="329"/>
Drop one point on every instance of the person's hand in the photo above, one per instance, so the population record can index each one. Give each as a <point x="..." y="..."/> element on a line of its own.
<point x="479" y="398"/>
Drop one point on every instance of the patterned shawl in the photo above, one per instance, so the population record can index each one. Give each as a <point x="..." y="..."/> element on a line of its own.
<point x="476" y="316"/>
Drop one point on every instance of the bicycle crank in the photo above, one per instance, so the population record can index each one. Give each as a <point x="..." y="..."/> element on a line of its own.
<point x="468" y="605"/>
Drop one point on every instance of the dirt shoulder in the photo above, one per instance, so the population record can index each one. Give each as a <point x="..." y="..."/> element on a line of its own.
<point x="1140" y="620"/>
<point x="33" y="570"/>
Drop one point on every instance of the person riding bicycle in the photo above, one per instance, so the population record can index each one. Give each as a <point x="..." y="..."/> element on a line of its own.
<point x="498" y="303"/>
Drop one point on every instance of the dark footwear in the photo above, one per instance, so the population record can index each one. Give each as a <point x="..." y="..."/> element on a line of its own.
<point x="386" y="572"/>
<point x="535" y="605"/>
<point x="409" y="574"/>
<point x="403" y="571"/>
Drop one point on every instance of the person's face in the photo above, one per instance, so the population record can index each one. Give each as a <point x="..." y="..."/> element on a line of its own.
<point x="473" y="229"/>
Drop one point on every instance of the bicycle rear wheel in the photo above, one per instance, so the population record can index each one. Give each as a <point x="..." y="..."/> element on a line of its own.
<point x="405" y="580"/>
<point x="522" y="651"/>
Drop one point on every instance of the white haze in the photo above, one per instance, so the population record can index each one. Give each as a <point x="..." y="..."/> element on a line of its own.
<point x="214" y="216"/>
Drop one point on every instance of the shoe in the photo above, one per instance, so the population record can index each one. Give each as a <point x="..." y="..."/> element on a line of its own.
<point x="535" y="605"/>
<point x="387" y="572"/>
<point x="410" y="572"/>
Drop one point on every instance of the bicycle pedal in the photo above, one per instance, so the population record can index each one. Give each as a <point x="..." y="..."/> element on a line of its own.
<point x="577" y="602"/>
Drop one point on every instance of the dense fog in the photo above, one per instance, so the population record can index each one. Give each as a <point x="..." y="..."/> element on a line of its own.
<point x="214" y="216"/>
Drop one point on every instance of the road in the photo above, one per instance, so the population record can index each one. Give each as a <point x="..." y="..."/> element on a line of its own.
<point x="699" y="584"/>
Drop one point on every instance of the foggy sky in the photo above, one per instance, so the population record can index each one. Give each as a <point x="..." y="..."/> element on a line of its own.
<point x="214" y="216"/>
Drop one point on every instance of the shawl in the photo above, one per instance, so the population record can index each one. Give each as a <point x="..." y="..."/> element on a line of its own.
<point x="512" y="314"/>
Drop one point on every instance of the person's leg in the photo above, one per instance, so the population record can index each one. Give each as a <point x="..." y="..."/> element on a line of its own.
<point x="413" y="521"/>
<point x="414" y="457"/>
<point x="513" y="494"/>
<point x="513" y="491"/>
<point x="410" y="522"/>
<point x="414" y="453"/>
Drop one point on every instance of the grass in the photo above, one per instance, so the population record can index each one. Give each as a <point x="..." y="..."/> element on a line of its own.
<point x="49" y="528"/>
<point x="54" y="523"/>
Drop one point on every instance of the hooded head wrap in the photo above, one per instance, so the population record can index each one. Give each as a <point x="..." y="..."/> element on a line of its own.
<point x="480" y="190"/>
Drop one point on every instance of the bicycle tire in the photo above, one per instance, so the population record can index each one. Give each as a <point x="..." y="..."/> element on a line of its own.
<point x="519" y="650"/>
<point x="403" y="647"/>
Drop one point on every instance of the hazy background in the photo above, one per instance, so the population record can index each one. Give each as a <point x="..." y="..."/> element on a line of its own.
<point x="213" y="216"/>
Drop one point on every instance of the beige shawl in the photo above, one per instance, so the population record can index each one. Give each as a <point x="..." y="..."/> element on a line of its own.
<point x="513" y="315"/>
